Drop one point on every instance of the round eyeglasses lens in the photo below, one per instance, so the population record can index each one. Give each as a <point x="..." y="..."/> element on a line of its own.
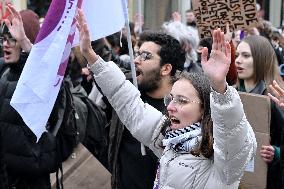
<point x="167" y="100"/>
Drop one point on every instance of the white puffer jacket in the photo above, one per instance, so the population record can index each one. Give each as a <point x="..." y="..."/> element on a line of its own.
<point x="234" y="140"/>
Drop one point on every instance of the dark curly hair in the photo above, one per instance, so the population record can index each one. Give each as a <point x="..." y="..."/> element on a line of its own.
<point x="201" y="84"/>
<point x="170" y="52"/>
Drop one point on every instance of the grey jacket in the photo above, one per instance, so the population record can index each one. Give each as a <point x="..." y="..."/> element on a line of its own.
<point x="234" y="140"/>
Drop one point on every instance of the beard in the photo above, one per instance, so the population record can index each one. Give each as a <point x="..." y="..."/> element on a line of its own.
<point x="193" y="24"/>
<point x="150" y="81"/>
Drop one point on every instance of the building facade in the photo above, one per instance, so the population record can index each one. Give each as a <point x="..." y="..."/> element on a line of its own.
<point x="156" y="11"/>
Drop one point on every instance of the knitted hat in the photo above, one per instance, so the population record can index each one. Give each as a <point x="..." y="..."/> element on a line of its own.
<point x="31" y="24"/>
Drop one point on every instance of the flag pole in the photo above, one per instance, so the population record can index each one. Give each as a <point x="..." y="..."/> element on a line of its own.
<point x="140" y="15"/>
<point x="133" y="70"/>
<point x="131" y="54"/>
<point x="130" y="48"/>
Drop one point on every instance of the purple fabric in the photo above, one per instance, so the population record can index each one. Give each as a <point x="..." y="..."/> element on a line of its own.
<point x="242" y="35"/>
<point x="53" y="17"/>
<point x="70" y="39"/>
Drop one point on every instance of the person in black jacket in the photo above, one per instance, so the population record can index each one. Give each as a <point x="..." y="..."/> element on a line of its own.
<point x="28" y="162"/>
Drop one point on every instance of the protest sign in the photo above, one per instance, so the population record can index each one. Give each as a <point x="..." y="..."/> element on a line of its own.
<point x="258" y="113"/>
<point x="212" y="14"/>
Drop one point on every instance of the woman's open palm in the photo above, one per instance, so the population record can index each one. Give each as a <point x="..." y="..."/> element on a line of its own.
<point x="217" y="66"/>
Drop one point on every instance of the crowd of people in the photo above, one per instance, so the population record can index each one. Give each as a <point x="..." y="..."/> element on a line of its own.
<point x="183" y="127"/>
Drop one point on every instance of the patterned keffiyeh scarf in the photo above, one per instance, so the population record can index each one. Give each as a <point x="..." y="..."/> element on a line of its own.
<point x="184" y="139"/>
<point x="180" y="140"/>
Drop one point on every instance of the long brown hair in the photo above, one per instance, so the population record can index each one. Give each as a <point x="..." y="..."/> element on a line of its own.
<point x="265" y="62"/>
<point x="201" y="84"/>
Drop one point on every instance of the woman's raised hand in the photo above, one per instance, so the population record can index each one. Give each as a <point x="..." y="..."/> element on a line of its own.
<point x="217" y="66"/>
<point x="85" y="40"/>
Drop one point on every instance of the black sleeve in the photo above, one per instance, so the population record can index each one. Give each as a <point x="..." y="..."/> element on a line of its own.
<point x="276" y="125"/>
<point x="39" y="158"/>
<point x="25" y="156"/>
<point x="277" y="136"/>
<point x="3" y="172"/>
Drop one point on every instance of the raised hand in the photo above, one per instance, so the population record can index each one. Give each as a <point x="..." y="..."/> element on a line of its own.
<point x="15" y="24"/>
<point x="138" y="22"/>
<point x="278" y="97"/>
<point x="228" y="35"/>
<point x="176" y="16"/>
<point x="85" y="40"/>
<point x="217" y="67"/>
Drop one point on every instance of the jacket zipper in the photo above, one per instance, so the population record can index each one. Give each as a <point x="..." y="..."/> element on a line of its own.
<point x="166" y="167"/>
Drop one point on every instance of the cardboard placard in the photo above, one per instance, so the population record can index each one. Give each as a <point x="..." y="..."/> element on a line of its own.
<point x="258" y="113"/>
<point x="213" y="14"/>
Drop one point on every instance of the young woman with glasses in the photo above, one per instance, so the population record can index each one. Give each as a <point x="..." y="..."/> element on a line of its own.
<point x="207" y="140"/>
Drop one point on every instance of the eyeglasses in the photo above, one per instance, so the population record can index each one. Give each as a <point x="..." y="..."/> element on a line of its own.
<point x="143" y="55"/>
<point x="178" y="100"/>
<point x="11" y="41"/>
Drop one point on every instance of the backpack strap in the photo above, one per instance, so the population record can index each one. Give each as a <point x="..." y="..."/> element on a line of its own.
<point x="59" y="180"/>
<point x="61" y="111"/>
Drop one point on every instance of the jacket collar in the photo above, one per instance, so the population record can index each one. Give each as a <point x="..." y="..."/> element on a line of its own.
<point x="260" y="88"/>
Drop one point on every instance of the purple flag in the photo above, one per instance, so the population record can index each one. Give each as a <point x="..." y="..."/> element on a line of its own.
<point x="43" y="73"/>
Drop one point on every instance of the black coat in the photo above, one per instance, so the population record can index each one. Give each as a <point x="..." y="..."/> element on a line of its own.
<point x="275" y="173"/>
<point x="28" y="163"/>
<point x="3" y="172"/>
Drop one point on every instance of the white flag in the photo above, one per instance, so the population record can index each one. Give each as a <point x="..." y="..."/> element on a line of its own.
<point x="44" y="70"/>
